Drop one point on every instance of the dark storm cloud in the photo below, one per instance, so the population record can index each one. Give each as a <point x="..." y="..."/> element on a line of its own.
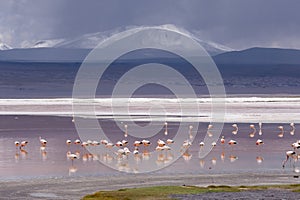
<point x="238" y="24"/>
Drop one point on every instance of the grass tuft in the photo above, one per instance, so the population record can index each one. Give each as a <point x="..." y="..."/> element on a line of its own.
<point x="164" y="192"/>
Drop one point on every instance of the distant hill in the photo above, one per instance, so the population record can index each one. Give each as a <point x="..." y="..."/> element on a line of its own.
<point x="44" y="55"/>
<point x="255" y="57"/>
<point x="261" y="56"/>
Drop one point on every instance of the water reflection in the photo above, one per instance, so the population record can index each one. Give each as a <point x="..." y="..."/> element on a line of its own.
<point x="233" y="158"/>
<point x="226" y="155"/>
<point x="259" y="159"/>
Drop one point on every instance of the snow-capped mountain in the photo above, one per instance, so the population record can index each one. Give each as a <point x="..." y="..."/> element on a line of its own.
<point x="47" y="43"/>
<point x="91" y="40"/>
<point x="76" y="49"/>
<point x="4" y="46"/>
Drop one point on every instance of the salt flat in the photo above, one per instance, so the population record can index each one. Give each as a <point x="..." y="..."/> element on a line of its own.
<point x="238" y="109"/>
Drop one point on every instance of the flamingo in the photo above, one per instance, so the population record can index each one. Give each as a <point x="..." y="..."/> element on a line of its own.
<point x="137" y="143"/>
<point x="281" y="131"/>
<point x="68" y="142"/>
<point x="186" y="144"/>
<point x="135" y="151"/>
<point x="84" y="144"/>
<point x="293" y="128"/>
<point x="166" y="128"/>
<point x="119" y="144"/>
<point x="170" y="141"/>
<point x="43" y="141"/>
<point x="190" y="132"/>
<point x="252" y="134"/>
<point x="161" y="143"/>
<point x="201" y="144"/>
<point x="89" y="142"/>
<point x="103" y="142"/>
<point x="120" y="152"/>
<point x="259" y="142"/>
<point x="260" y="128"/>
<point x="296" y="145"/>
<point x="210" y="126"/>
<point x="280" y="128"/>
<point x="109" y="145"/>
<point x="72" y="156"/>
<point x="289" y="155"/>
<point x="124" y="142"/>
<point x="166" y="147"/>
<point x="146" y="143"/>
<point x="95" y="143"/>
<point x="222" y="140"/>
<point x="236" y="129"/>
<point x="77" y="141"/>
<point x="158" y="148"/>
<point x="233" y="158"/>
<point x="126" y="151"/>
<point x="17" y="144"/>
<point x="213" y="144"/>
<point x="23" y="144"/>
<point x="126" y="130"/>
<point x="232" y="142"/>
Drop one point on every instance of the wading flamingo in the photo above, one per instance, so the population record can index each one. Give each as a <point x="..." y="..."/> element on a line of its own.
<point x="252" y="134"/>
<point x="222" y="140"/>
<point x="289" y="156"/>
<point x="259" y="142"/>
<point x="260" y="128"/>
<point x="166" y="128"/>
<point x="43" y="141"/>
<point x="190" y="132"/>
<point x="236" y="129"/>
<point x="293" y="128"/>
<point x="281" y="131"/>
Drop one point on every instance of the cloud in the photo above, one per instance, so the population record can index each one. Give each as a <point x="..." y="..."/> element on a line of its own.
<point x="238" y="24"/>
<point x="25" y="20"/>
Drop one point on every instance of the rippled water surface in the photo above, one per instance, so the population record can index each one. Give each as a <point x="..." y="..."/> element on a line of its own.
<point x="32" y="161"/>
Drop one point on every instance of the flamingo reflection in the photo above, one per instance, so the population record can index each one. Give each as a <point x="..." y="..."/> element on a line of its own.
<point x="259" y="159"/>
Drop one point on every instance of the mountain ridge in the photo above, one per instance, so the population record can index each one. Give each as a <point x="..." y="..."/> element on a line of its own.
<point x="260" y="55"/>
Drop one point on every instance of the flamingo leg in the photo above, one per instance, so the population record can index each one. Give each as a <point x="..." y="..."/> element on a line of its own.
<point x="284" y="162"/>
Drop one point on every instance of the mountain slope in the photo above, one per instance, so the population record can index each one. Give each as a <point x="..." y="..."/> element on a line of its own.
<point x="4" y="46"/>
<point x="261" y="56"/>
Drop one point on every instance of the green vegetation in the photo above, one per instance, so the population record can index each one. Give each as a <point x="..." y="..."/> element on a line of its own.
<point x="164" y="192"/>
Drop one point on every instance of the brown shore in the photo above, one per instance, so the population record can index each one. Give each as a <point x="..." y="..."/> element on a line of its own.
<point x="77" y="187"/>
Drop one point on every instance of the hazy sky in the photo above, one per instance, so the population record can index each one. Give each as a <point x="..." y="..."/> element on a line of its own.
<point x="237" y="24"/>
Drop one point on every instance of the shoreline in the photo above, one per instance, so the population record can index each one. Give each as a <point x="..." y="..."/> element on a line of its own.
<point x="234" y="110"/>
<point x="76" y="188"/>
